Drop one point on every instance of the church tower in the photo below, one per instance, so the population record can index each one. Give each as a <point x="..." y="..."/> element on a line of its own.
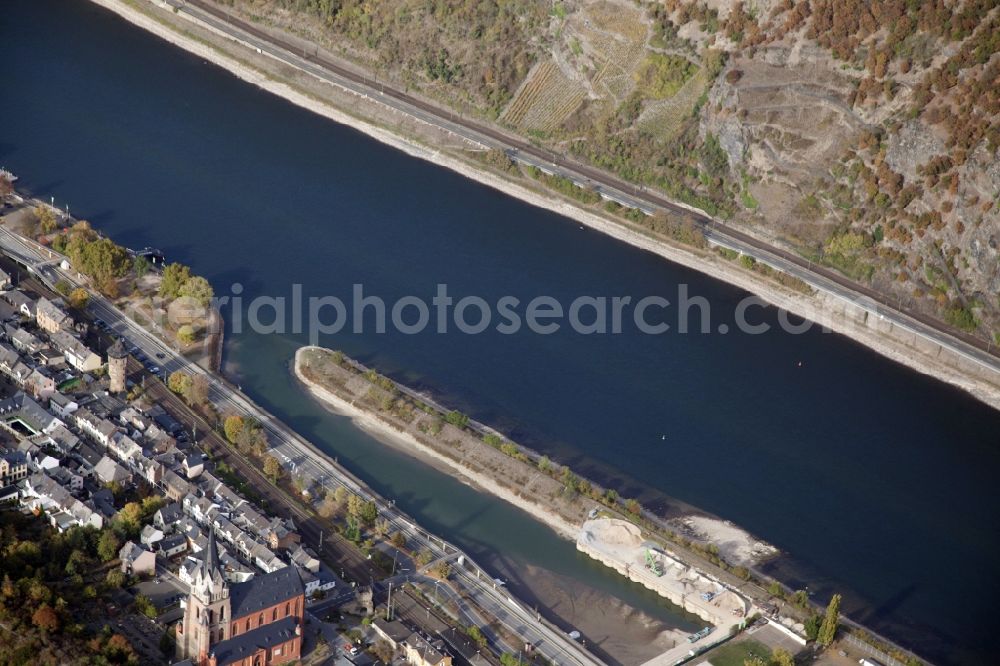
<point x="207" y="612"/>
<point x="117" y="361"/>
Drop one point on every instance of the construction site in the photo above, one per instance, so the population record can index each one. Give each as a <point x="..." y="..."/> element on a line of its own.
<point x="620" y="545"/>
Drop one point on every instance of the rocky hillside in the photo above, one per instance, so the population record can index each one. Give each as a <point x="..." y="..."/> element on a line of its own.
<point x="862" y="133"/>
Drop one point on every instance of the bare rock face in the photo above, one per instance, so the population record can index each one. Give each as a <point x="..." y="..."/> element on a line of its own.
<point x="911" y="146"/>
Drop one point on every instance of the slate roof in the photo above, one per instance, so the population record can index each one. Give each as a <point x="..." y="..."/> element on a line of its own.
<point x="264" y="591"/>
<point x="242" y="646"/>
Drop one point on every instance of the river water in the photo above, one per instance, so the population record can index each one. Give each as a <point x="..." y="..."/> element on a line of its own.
<point x="877" y="481"/>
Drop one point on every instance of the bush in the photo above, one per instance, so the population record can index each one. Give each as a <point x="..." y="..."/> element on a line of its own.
<point x="661" y="76"/>
<point x="457" y="419"/>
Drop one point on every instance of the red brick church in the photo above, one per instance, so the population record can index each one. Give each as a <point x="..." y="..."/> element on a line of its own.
<point x="255" y="623"/>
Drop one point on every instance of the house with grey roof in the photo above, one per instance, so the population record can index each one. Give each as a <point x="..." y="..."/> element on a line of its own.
<point x="22" y="416"/>
<point x="108" y="471"/>
<point x="421" y="651"/>
<point x="64" y="511"/>
<point x="63" y="439"/>
<point x="62" y="405"/>
<point x="20" y="301"/>
<point x="77" y="354"/>
<point x="51" y="317"/>
<point x="66" y="478"/>
<point x="8" y="357"/>
<point x="13" y="467"/>
<point x="136" y="560"/>
<point x="167" y="516"/>
<point x="150" y="535"/>
<point x="23" y="340"/>
<point x="304" y="558"/>
<point x="175" y="487"/>
<point x="172" y="544"/>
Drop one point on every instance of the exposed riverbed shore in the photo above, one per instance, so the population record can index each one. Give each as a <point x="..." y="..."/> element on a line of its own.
<point x="832" y="312"/>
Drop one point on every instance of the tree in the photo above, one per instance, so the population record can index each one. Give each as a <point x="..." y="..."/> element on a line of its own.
<point x="102" y="260"/>
<point x="129" y="520"/>
<point x="354" y="505"/>
<point x="118" y="648"/>
<point x="381" y="528"/>
<point x="45" y="618"/>
<point x="252" y="440"/>
<point x="328" y="508"/>
<point x="272" y="468"/>
<point x="198" y="392"/>
<point x="108" y="546"/>
<point x="398" y="539"/>
<point x="368" y="512"/>
<point x="383" y="650"/>
<point x="77" y="563"/>
<point x="174" y="277"/>
<point x="145" y="606"/>
<point x="198" y="289"/>
<point x="476" y="635"/>
<point x="180" y="383"/>
<point x="812" y="625"/>
<point x="46" y="219"/>
<point x="141" y="266"/>
<point x="78" y="298"/>
<point x="828" y="630"/>
<point x="115" y="578"/>
<point x="633" y="507"/>
<point x="233" y="426"/>
<point x="186" y="334"/>
<point x="781" y="657"/>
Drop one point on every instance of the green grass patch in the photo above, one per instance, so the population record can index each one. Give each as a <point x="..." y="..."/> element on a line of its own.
<point x="734" y="653"/>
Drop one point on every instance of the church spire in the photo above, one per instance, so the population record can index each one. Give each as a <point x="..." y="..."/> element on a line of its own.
<point x="212" y="558"/>
<point x="209" y="582"/>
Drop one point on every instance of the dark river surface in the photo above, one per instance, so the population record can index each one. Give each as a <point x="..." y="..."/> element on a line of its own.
<point x="877" y="482"/>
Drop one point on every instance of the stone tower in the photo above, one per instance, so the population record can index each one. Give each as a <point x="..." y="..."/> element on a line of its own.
<point x="117" y="360"/>
<point x="207" y="611"/>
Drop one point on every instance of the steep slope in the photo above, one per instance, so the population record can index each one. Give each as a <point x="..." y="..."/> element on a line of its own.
<point x="862" y="134"/>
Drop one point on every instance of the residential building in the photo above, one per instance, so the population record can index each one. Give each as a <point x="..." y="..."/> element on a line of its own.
<point x="173" y="544"/>
<point x="136" y="560"/>
<point x="420" y="651"/>
<point x="21" y="302"/>
<point x="51" y="317"/>
<point x="23" y="340"/>
<point x="62" y="405"/>
<point x="167" y="516"/>
<point x="22" y="416"/>
<point x="108" y="471"/>
<point x="77" y="354"/>
<point x="150" y="535"/>
<point x="13" y="467"/>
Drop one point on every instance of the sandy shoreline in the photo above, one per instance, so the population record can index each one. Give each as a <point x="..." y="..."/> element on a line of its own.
<point x="475" y="463"/>
<point x="405" y="441"/>
<point x="809" y="307"/>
